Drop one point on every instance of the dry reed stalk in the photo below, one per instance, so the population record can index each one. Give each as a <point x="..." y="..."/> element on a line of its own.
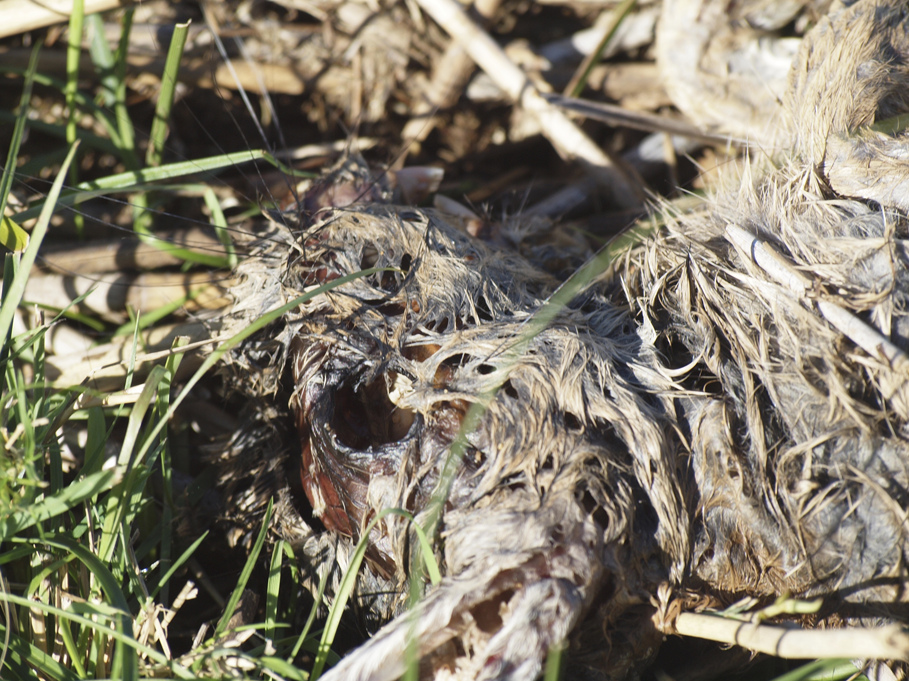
<point x="881" y="643"/>
<point x="450" y="76"/>
<point x="109" y="295"/>
<point x="118" y="254"/>
<point x="21" y="16"/>
<point x="569" y="140"/>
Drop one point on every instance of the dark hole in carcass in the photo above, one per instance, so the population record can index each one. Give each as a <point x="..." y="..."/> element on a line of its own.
<point x="366" y="417"/>
<point x="484" y="312"/>
<point x="420" y="353"/>
<point x="487" y="614"/>
<point x="572" y="422"/>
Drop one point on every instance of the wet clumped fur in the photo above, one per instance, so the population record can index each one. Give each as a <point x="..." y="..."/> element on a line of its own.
<point x="692" y="431"/>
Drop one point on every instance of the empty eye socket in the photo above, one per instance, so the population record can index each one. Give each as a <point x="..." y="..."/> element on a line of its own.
<point x="365" y="417"/>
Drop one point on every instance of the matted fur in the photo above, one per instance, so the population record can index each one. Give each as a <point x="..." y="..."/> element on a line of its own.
<point x="698" y="430"/>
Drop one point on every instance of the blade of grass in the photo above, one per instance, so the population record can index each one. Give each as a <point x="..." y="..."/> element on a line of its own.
<point x="171" y="365"/>
<point x="119" y="506"/>
<point x="317" y="602"/>
<point x="822" y="669"/>
<point x="30" y="656"/>
<point x="37" y="163"/>
<point x="12" y="235"/>
<point x="6" y="179"/>
<point x="149" y="319"/>
<point x="73" y="52"/>
<point x="349" y="580"/>
<point x="128" y="181"/>
<point x="220" y="224"/>
<point x="12" y="522"/>
<point x="577" y="83"/>
<point x="273" y="589"/>
<point x="282" y="668"/>
<point x="155" y="150"/>
<point x="113" y="80"/>
<point x="185" y="556"/>
<point x="124" y="122"/>
<point x="245" y="574"/>
<point x="13" y="295"/>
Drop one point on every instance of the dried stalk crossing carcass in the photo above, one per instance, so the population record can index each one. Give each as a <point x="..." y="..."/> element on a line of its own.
<point x="727" y="419"/>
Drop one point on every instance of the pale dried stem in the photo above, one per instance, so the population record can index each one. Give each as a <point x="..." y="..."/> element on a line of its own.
<point x="863" y="335"/>
<point x="567" y="138"/>
<point x="20" y="16"/>
<point x="112" y="293"/>
<point x="105" y="366"/>
<point x="116" y="255"/>
<point x="638" y="120"/>
<point x="884" y="643"/>
<point x="449" y="78"/>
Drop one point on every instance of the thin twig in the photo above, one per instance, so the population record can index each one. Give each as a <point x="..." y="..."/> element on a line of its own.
<point x="783" y="272"/>
<point x="567" y="138"/>
<point x="450" y="76"/>
<point x="637" y="120"/>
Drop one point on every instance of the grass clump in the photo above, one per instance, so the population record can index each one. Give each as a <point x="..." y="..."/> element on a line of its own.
<point x="92" y="574"/>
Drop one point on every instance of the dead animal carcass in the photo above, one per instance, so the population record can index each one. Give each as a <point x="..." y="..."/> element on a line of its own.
<point x="727" y="419"/>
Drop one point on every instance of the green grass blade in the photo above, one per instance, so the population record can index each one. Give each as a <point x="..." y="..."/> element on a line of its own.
<point x="15" y="521"/>
<point x="578" y="83"/>
<point x="220" y="224"/>
<point x="135" y="180"/>
<point x="158" y="134"/>
<point x="112" y="69"/>
<point x="95" y="565"/>
<point x="124" y="122"/>
<point x="829" y="670"/>
<point x="12" y="296"/>
<point x="26" y="655"/>
<point x="102" y="58"/>
<point x="282" y="668"/>
<point x="166" y="463"/>
<point x="310" y="620"/>
<point x="185" y="556"/>
<point x="245" y="574"/>
<point x="149" y="319"/>
<point x="12" y="235"/>
<point x="38" y="162"/>
<point x="345" y="589"/>
<point x="121" y="500"/>
<point x="553" y="669"/>
<point x="273" y="590"/>
<point x="6" y="179"/>
<point x="73" y="52"/>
